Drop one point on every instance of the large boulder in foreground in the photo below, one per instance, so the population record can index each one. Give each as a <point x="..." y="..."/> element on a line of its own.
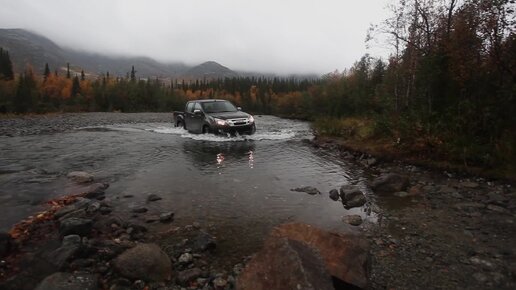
<point x="69" y="281"/>
<point x="145" y="262"/>
<point x="345" y="256"/>
<point x="390" y="183"/>
<point x="285" y="264"/>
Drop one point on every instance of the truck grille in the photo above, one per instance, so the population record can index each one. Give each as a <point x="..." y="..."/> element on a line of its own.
<point x="238" y="122"/>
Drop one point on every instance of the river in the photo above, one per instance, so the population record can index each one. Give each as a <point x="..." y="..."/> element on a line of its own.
<point x="238" y="183"/>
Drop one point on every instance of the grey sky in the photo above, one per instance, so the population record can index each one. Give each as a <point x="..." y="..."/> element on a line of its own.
<point x="286" y="36"/>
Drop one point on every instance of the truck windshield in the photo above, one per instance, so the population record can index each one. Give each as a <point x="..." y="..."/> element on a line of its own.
<point x="218" y="107"/>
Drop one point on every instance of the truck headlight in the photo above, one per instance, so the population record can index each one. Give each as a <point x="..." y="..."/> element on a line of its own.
<point x="220" y="122"/>
<point x="251" y="119"/>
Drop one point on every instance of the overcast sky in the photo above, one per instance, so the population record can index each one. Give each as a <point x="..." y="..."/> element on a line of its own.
<point x="287" y="36"/>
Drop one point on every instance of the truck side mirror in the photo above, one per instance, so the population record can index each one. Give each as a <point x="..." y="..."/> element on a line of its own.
<point x="197" y="112"/>
<point x="239" y="108"/>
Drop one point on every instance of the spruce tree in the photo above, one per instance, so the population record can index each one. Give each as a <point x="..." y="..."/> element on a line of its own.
<point x="133" y="74"/>
<point x="83" y="77"/>
<point x="76" y="86"/>
<point x="68" y="70"/>
<point x="46" y="73"/>
<point x="6" y="66"/>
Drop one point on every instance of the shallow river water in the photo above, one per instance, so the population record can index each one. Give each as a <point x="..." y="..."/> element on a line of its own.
<point x="242" y="183"/>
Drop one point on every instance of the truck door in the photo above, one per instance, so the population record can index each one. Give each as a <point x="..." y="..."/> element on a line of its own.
<point x="189" y="120"/>
<point x="197" y="119"/>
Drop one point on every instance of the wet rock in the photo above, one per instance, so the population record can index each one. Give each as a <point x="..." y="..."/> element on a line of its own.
<point x="354" y="219"/>
<point x="144" y="261"/>
<point x="140" y="209"/>
<point x="80" y="203"/>
<point x="220" y="283"/>
<point x="469" y="184"/>
<point x="390" y="183"/>
<point x="334" y="194"/>
<point x="184" y="277"/>
<point x="166" y="217"/>
<point x="185" y="258"/>
<point x="346" y="255"/>
<point x="75" y="226"/>
<point x="151" y="219"/>
<point x="469" y="206"/>
<point x="307" y="189"/>
<point x="80" y="176"/>
<point x="153" y="197"/>
<point x="104" y="210"/>
<point x="496" y="208"/>
<point x="93" y="207"/>
<point x="352" y="196"/>
<point x="6" y="244"/>
<point x="69" y="248"/>
<point x="285" y="264"/>
<point x="204" y="242"/>
<point x="401" y="194"/>
<point x="69" y="281"/>
<point x="95" y="190"/>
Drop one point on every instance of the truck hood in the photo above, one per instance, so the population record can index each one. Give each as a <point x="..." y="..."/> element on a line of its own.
<point x="229" y="115"/>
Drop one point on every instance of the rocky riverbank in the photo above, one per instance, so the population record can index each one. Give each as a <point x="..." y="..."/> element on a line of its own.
<point x="78" y="243"/>
<point x="442" y="231"/>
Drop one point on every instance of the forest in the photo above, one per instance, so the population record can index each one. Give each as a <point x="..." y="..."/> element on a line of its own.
<point x="446" y="92"/>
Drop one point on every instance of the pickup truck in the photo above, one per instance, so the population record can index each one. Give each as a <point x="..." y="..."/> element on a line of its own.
<point x="214" y="116"/>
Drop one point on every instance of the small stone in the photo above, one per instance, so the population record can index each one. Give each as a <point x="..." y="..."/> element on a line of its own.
<point x="334" y="194"/>
<point x="401" y="194"/>
<point x="186" y="276"/>
<point x="144" y="261"/>
<point x="354" y="220"/>
<point x="470" y="184"/>
<point x="95" y="190"/>
<point x="166" y="216"/>
<point x="204" y="242"/>
<point x="480" y="277"/>
<point x="153" y="197"/>
<point x="68" y="281"/>
<point x="496" y="208"/>
<point x="220" y="283"/>
<point x="185" y="258"/>
<point x="104" y="210"/>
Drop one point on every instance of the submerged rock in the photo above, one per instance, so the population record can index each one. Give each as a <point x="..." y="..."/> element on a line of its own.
<point x="69" y="281"/>
<point x="146" y="262"/>
<point x="95" y="190"/>
<point x="80" y="176"/>
<point x="153" y="197"/>
<point x="166" y="217"/>
<point x="307" y="189"/>
<point x="390" y="183"/>
<point x="69" y="248"/>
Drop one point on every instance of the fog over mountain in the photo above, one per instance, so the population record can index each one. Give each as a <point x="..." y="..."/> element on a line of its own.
<point x="267" y="36"/>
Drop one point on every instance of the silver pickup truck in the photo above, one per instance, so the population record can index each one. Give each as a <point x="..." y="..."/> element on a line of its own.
<point x="214" y="116"/>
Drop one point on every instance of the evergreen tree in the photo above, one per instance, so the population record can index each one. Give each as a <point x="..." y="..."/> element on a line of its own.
<point x="76" y="87"/>
<point x="6" y="66"/>
<point x="83" y="76"/>
<point x="133" y="74"/>
<point x="46" y="73"/>
<point x="68" y="70"/>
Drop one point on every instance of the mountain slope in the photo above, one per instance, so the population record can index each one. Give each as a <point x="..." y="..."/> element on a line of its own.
<point x="29" y="48"/>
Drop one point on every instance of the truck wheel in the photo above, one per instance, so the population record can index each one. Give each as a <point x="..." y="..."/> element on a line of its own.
<point x="179" y="124"/>
<point x="253" y="129"/>
<point x="205" y="129"/>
